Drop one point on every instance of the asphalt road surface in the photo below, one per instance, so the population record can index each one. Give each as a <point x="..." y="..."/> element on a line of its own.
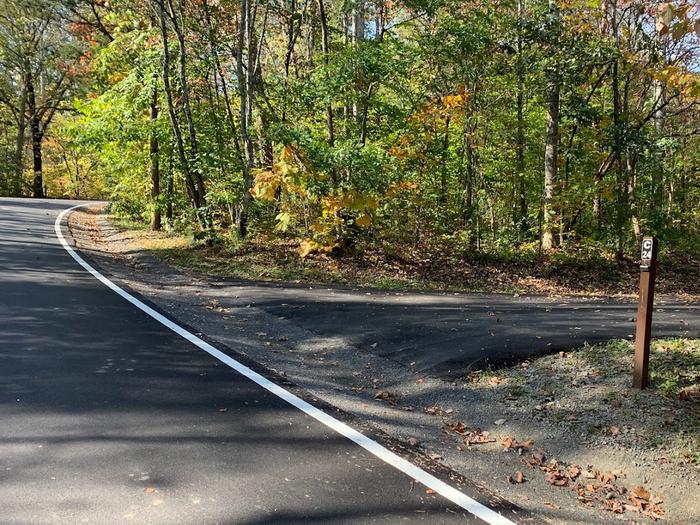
<point x="448" y="334"/>
<point x="107" y="416"/>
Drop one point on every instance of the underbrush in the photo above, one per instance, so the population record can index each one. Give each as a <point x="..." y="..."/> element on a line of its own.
<point x="581" y="269"/>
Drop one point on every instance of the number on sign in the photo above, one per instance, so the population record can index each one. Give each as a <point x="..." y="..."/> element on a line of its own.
<point x="647" y="251"/>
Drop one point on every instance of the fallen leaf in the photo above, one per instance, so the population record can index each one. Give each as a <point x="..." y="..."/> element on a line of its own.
<point x="386" y="396"/>
<point x="511" y="443"/>
<point x="641" y="493"/>
<point x="555" y="477"/>
<point x="456" y="426"/>
<point x="589" y="473"/>
<point x="573" y="472"/>
<point x="436" y="410"/>
<point x="477" y="437"/>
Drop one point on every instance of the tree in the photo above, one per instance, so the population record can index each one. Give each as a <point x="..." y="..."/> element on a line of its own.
<point x="416" y="127"/>
<point x="551" y="155"/>
<point x="41" y="54"/>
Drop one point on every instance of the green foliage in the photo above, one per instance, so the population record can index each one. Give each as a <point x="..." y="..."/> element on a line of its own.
<point x="424" y="127"/>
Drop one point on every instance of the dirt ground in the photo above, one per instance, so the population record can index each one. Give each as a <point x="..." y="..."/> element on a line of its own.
<point x="562" y="436"/>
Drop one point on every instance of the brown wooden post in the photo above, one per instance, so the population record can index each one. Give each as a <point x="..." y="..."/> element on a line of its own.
<point x="647" y="277"/>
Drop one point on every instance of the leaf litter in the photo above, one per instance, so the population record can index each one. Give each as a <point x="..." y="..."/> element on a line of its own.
<point x="593" y="486"/>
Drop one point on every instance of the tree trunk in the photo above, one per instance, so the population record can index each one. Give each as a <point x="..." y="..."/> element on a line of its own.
<point x="324" y="47"/>
<point x="174" y="121"/>
<point x="632" y="195"/>
<point x="19" y="147"/>
<point x="170" y="192"/>
<point x="619" y="110"/>
<point x="598" y="207"/>
<point x="156" y="223"/>
<point x="443" y="170"/>
<point x="358" y="35"/>
<point x="552" y="145"/>
<point x="520" y="135"/>
<point x="246" y="86"/>
<point x="35" y="127"/>
<point x="198" y="180"/>
<point x="470" y="174"/>
<point x="657" y="175"/>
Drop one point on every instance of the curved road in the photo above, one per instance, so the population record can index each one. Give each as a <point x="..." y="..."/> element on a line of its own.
<point x="107" y="416"/>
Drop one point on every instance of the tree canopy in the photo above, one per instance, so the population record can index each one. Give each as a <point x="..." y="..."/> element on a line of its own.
<point x="468" y="126"/>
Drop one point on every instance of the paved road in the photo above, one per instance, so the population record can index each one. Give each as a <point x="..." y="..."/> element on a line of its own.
<point x="449" y="334"/>
<point x="108" y="417"/>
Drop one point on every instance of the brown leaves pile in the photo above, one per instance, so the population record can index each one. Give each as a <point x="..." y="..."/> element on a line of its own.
<point x="514" y="444"/>
<point x="591" y="486"/>
<point x="471" y="437"/>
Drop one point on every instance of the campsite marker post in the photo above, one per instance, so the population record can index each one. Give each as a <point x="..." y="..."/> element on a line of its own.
<point x="647" y="277"/>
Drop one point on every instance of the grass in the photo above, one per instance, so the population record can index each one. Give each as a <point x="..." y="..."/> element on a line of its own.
<point x="674" y="364"/>
<point x="590" y="391"/>
<point x="126" y="223"/>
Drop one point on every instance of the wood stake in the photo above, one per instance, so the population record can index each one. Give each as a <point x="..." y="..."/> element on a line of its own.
<point x="645" y="308"/>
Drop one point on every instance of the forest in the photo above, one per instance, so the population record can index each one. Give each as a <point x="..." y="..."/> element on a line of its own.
<point x="405" y="127"/>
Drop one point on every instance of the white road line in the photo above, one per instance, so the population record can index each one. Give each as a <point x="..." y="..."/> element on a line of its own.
<point x="470" y="505"/>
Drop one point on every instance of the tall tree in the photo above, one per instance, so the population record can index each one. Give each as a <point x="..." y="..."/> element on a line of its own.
<point x="551" y="155"/>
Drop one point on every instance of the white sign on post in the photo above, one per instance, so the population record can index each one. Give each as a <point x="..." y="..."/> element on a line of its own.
<point x="647" y="251"/>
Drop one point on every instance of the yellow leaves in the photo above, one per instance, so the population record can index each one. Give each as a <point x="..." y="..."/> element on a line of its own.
<point x="398" y="187"/>
<point x="398" y="152"/>
<point x="284" y="220"/>
<point x="450" y="105"/>
<point x="266" y="185"/>
<point x="351" y="200"/>
<point x="287" y="164"/>
<point x="117" y="77"/>
<point x="283" y="175"/>
<point x="364" y="221"/>
<point x="454" y="101"/>
<point x="686" y="81"/>
<point x="359" y="205"/>
<point x="405" y="148"/>
<point x="309" y="246"/>
<point x="318" y="228"/>
<point x="330" y="206"/>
